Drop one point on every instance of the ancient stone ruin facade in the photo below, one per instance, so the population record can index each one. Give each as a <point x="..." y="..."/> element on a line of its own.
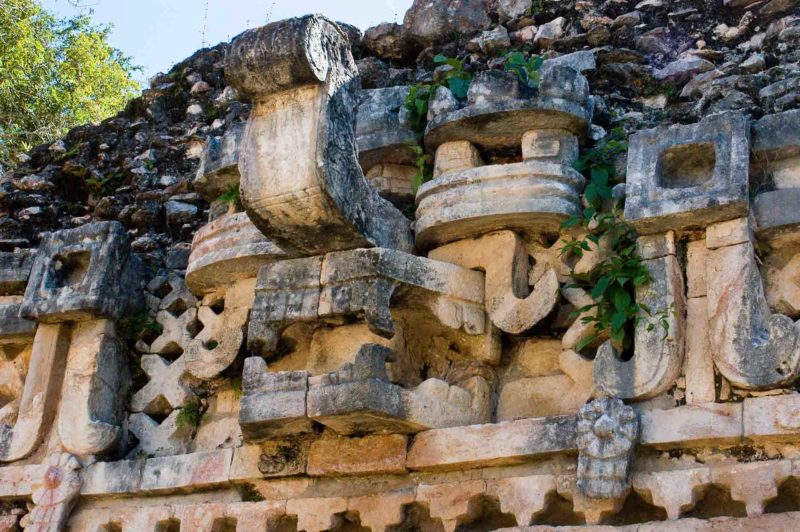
<point x="345" y="349"/>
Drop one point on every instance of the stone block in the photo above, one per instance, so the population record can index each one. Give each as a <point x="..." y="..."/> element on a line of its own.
<point x="219" y="163"/>
<point x="696" y="257"/>
<point x="753" y="484"/>
<point x="84" y="273"/>
<point x="14" y="329"/>
<point x="699" y="365"/>
<point x="273" y="458"/>
<point x="369" y="455"/>
<point x="105" y="478"/>
<point x="688" y="176"/>
<point x="305" y="91"/>
<point x="456" y="157"/>
<point x="226" y="250"/>
<point x="14" y="272"/>
<point x="729" y="233"/>
<point x="17" y="481"/>
<point x="676" y="491"/>
<point x="506" y="443"/>
<point x="775" y="213"/>
<point x="382" y="510"/>
<point x="449" y="502"/>
<point x="156" y="439"/>
<point x="710" y="424"/>
<point x="772" y="419"/>
<point x="776" y="148"/>
<point x="187" y="472"/>
<point x="383" y="134"/>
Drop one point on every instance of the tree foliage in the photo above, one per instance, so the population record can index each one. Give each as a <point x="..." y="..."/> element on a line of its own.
<point x="55" y="74"/>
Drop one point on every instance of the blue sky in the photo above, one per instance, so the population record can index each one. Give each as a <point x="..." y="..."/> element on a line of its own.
<point x="159" y="33"/>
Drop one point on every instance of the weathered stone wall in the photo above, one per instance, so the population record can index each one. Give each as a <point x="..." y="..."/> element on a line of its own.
<point x="230" y="308"/>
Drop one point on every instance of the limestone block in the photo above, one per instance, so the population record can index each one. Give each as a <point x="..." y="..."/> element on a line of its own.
<point x="658" y="353"/>
<point x="593" y="510"/>
<point x="776" y="148"/>
<point x="692" y="426"/>
<point x="358" y="456"/>
<point x="456" y="156"/>
<point x="776" y="215"/>
<point x="194" y="471"/>
<point x="13" y="329"/>
<point x="395" y="182"/>
<point x="219" y="163"/>
<point x="315" y="515"/>
<point x="728" y="233"/>
<point x="14" y="363"/>
<point x="524" y="497"/>
<point x="686" y="176"/>
<point x="272" y="403"/>
<point x="371" y="285"/>
<point x="39" y="400"/>
<point x="550" y="145"/>
<point x="533" y="196"/>
<point x="503" y="258"/>
<point x="383" y="134"/>
<point x="103" y="478"/>
<point x="696" y="259"/>
<point x="607" y="433"/>
<point x="89" y="420"/>
<point x="166" y="390"/>
<point x="55" y="495"/>
<point x="769" y="355"/>
<point x="506" y="443"/>
<point x="226" y="250"/>
<point x="382" y="510"/>
<point x="753" y="484"/>
<point x="449" y="502"/>
<point x="699" y="367"/>
<point x="14" y="272"/>
<point x="18" y="481"/>
<point x="775" y="419"/>
<point x="358" y="399"/>
<point x="676" y="491"/>
<point x="215" y="347"/>
<point x="219" y="427"/>
<point x="84" y="273"/>
<point x="499" y="112"/>
<point x="304" y="83"/>
<point x="783" y="288"/>
<point x="159" y="439"/>
<point x="272" y="458"/>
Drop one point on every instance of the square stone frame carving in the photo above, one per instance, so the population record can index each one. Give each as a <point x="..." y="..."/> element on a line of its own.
<point x="710" y="195"/>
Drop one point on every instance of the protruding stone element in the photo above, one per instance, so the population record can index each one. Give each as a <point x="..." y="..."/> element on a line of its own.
<point x="166" y="390"/>
<point x="219" y="163"/>
<point x="84" y="273"/>
<point x="449" y="502"/>
<point x="363" y="282"/>
<point x="699" y="368"/>
<point x="776" y="148"/>
<point x="14" y="329"/>
<point x="215" y="347"/>
<point x="658" y="352"/>
<point x="159" y="439"/>
<point x="89" y="420"/>
<point x="753" y="484"/>
<point x="523" y="497"/>
<point x="593" y="510"/>
<point x="752" y="347"/>
<point x="510" y="303"/>
<point x="772" y="419"/>
<point x="303" y="81"/>
<point x="39" y="400"/>
<point x="14" y="271"/>
<point x="691" y="176"/>
<point x="692" y="426"/>
<point x="456" y="156"/>
<point x="55" y="495"/>
<point x="273" y="403"/>
<point x="499" y="111"/>
<point x="608" y="431"/>
<point x="383" y="133"/>
<point x="359" y="399"/>
<point x="676" y="491"/>
<point x="226" y="250"/>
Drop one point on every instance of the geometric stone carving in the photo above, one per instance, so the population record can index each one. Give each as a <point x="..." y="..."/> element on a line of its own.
<point x="658" y="353"/>
<point x="504" y="259"/>
<point x="752" y="347"/>
<point x="448" y="502"/>
<point x="39" y="399"/>
<point x="373" y="284"/>
<point x="356" y="399"/>
<point x="301" y="181"/>
<point x="55" y="495"/>
<point x="84" y="273"/>
<point x="226" y="250"/>
<point x="91" y="400"/>
<point x="159" y="439"/>
<point x="675" y="491"/>
<point x="607" y="433"/>
<point x="523" y="497"/>
<point x="166" y="390"/>
<point x="753" y="484"/>
<point x="215" y="347"/>
<point x="688" y="176"/>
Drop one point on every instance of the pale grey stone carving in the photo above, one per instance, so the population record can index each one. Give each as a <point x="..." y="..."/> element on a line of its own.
<point x="607" y="434"/>
<point x="84" y="273"/>
<point x="55" y="495"/>
<point x="658" y="353"/>
<point x="301" y="181"/>
<point x="219" y="163"/>
<point x="382" y="130"/>
<point x="688" y="176"/>
<point x="15" y="268"/>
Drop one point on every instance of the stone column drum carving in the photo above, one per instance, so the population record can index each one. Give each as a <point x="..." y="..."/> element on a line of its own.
<point x="301" y="182"/>
<point x="607" y="434"/>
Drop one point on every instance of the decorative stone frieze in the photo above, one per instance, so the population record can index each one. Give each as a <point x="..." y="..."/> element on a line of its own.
<point x="55" y="495"/>
<point x="607" y="433"/>
<point x="300" y="72"/>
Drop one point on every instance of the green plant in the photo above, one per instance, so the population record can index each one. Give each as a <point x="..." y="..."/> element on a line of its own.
<point x="613" y="281"/>
<point x="526" y="68"/>
<point x="236" y="387"/>
<point x="104" y="185"/>
<point x="232" y="197"/>
<point x="134" y="327"/>
<point x="420" y="95"/>
<point x="189" y="415"/>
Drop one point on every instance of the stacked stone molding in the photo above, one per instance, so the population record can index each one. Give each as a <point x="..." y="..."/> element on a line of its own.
<point x="260" y="321"/>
